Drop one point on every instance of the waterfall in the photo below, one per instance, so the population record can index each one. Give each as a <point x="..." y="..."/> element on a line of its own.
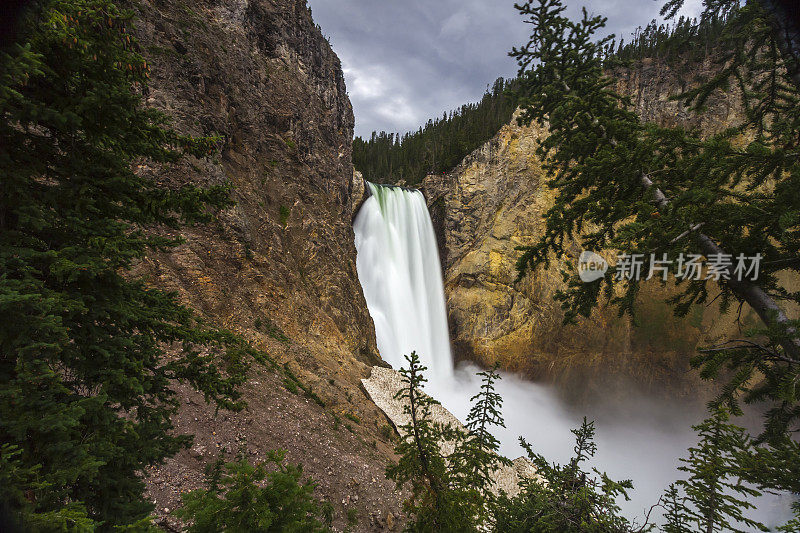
<point x="398" y="266"/>
<point x="400" y="274"/>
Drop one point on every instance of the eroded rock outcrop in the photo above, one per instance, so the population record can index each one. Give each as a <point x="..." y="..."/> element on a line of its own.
<point x="492" y="203"/>
<point x="279" y="266"/>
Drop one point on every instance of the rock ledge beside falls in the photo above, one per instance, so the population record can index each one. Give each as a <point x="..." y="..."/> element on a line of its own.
<point x="383" y="384"/>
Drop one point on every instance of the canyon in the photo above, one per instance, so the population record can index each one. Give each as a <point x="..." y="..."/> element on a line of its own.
<point x="279" y="267"/>
<point x="494" y="202"/>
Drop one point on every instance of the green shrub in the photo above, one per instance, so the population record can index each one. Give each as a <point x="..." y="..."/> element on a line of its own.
<point x="270" y="328"/>
<point x="308" y="391"/>
<point x="283" y="214"/>
<point x="266" y="497"/>
<point x="290" y="385"/>
<point x="570" y="500"/>
<point x="353" y="417"/>
<point x="388" y="432"/>
<point x="352" y="517"/>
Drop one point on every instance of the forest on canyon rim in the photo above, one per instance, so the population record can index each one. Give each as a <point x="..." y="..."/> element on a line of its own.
<point x="126" y="210"/>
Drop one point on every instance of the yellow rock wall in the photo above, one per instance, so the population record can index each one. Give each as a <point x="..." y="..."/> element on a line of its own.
<point x="492" y="203"/>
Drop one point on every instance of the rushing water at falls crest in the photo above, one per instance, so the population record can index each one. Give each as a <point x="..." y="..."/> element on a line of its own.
<point x="398" y="266"/>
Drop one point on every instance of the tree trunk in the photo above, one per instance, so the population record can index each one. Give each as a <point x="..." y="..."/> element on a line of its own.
<point x="760" y="301"/>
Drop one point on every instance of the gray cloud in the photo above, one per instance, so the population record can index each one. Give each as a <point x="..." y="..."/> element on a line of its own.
<point x="406" y="62"/>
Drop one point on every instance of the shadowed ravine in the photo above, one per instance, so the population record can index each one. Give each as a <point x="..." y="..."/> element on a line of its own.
<point x="398" y="266"/>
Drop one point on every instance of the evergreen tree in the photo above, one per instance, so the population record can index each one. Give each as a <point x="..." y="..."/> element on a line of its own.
<point x="86" y="392"/>
<point x="437" y="147"/>
<point x="566" y="499"/>
<point x="433" y="504"/>
<point x="269" y="497"/>
<point x="476" y="457"/>
<point x="644" y="189"/>
<point x="448" y="492"/>
<point x="713" y="488"/>
<point x="675" y="519"/>
<point x="649" y="190"/>
<point x="681" y="44"/>
<point x="774" y="467"/>
<point x="17" y="482"/>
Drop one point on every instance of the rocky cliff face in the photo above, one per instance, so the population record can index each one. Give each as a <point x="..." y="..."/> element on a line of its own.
<point x="492" y="203"/>
<point x="279" y="267"/>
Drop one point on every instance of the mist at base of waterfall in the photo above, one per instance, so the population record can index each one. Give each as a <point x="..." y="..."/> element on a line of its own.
<point x="398" y="267"/>
<point x="640" y="439"/>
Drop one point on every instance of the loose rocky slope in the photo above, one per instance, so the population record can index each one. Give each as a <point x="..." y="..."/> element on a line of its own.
<point x="279" y="267"/>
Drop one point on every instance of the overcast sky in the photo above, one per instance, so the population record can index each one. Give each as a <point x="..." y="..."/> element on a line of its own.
<point x="406" y="61"/>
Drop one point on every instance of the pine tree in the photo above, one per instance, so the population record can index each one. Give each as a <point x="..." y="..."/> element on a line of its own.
<point x="773" y="467"/>
<point x="269" y="497"/>
<point x="17" y="481"/>
<point x="440" y="145"/>
<point x="566" y="498"/>
<point x="476" y="457"/>
<point x="675" y="519"/>
<point x="644" y="189"/>
<point x="650" y="190"/>
<point x="433" y="504"/>
<point x="448" y="492"/>
<point x="86" y="392"/>
<point x="713" y="487"/>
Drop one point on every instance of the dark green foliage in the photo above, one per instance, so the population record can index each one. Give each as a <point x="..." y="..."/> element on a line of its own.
<point x="264" y="498"/>
<point x="17" y="478"/>
<point x="352" y="517"/>
<point x="476" y="457"/>
<point x="327" y="513"/>
<point x="438" y="146"/>
<point x="353" y="417"/>
<point x="642" y="189"/>
<point x="433" y="506"/>
<point x="569" y="500"/>
<point x="773" y="467"/>
<point x="713" y="487"/>
<point x="684" y="42"/>
<point x="448" y="493"/>
<point x="86" y="393"/>
<point x="675" y="519"/>
<point x="283" y="214"/>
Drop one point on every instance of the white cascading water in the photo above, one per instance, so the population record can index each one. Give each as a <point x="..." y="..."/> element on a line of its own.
<point x="400" y="273"/>
<point x="398" y="266"/>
